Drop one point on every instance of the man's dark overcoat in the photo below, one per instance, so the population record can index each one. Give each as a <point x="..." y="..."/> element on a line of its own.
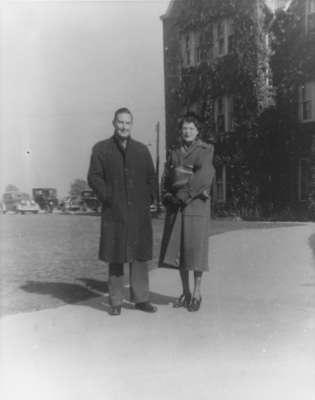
<point x="186" y="229"/>
<point x="124" y="181"/>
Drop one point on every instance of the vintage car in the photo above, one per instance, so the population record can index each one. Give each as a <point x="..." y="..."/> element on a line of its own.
<point x="71" y="204"/>
<point x="27" y="206"/>
<point x="90" y="202"/>
<point x="46" y="198"/>
<point x="19" y="202"/>
<point x="3" y="209"/>
<point x="86" y="202"/>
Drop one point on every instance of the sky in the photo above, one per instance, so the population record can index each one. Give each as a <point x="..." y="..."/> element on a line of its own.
<point x="65" y="67"/>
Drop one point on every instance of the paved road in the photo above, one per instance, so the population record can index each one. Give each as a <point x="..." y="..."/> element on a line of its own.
<point x="253" y="339"/>
<point x="47" y="259"/>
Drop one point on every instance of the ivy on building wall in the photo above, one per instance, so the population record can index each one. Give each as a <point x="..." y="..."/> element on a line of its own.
<point x="293" y="64"/>
<point x="242" y="74"/>
<point x="293" y="60"/>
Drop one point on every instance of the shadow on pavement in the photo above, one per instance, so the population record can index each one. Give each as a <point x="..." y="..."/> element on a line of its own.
<point x="66" y="292"/>
<point x="92" y="284"/>
<point x="102" y="287"/>
<point x="94" y="294"/>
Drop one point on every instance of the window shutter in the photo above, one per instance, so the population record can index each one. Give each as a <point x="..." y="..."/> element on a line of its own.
<point x="192" y="48"/>
<point x="303" y="182"/>
<point x="306" y="97"/>
<point x="311" y="23"/>
<point x="313" y="99"/>
<point x="226" y="35"/>
<point x="226" y="113"/>
<point x="215" y="40"/>
<point x="230" y="113"/>
<point x="215" y="110"/>
<point x="183" y="50"/>
<point x="300" y="96"/>
<point x="220" y="184"/>
<point x="220" y="123"/>
<point x="311" y="6"/>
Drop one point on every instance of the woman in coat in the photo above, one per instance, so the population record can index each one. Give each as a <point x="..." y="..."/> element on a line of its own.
<point x="186" y="194"/>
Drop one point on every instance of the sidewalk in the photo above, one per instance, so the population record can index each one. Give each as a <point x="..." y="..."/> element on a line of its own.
<point x="253" y="339"/>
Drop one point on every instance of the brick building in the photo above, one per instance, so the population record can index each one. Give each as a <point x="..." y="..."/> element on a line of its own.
<point x="218" y="63"/>
<point x="294" y="80"/>
<point x="212" y="66"/>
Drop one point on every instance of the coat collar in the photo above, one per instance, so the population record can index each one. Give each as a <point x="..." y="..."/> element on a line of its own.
<point x="117" y="143"/>
<point x="187" y="151"/>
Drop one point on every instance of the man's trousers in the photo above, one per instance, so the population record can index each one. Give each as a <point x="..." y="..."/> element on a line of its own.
<point x="138" y="280"/>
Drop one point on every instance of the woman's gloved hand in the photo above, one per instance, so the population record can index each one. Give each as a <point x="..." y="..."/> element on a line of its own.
<point x="170" y="200"/>
<point x="183" y="197"/>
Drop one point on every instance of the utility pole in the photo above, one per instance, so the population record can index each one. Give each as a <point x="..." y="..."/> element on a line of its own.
<point x="157" y="129"/>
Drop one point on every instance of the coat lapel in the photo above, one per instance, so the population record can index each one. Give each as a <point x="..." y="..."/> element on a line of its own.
<point x="187" y="153"/>
<point x="124" y="151"/>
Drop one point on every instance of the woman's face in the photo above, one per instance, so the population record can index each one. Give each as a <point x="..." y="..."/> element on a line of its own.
<point x="189" y="131"/>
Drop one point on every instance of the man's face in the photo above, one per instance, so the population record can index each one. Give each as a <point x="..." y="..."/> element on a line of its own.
<point x="123" y="125"/>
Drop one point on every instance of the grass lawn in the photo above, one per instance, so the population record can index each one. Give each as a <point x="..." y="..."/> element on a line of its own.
<point x="47" y="260"/>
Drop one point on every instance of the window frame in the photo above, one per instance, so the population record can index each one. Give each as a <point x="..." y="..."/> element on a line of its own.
<point x="223" y="41"/>
<point x="310" y="16"/>
<point x="191" y="49"/>
<point x="226" y="114"/>
<point x="305" y="99"/>
<point x="310" y="7"/>
<point x="300" y="179"/>
<point x="216" y="183"/>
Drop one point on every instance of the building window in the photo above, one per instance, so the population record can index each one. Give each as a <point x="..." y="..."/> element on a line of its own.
<point x="223" y="37"/>
<point x="268" y="76"/>
<point x="267" y="70"/>
<point x="187" y="60"/>
<point x="311" y="7"/>
<point x="310" y="17"/>
<point x="219" y="187"/>
<point x="307" y="102"/>
<point x="223" y="114"/>
<point x="191" y="50"/>
<point x="303" y="182"/>
<point x="198" y="55"/>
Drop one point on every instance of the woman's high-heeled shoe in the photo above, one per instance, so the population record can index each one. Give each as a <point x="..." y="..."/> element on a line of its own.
<point x="183" y="301"/>
<point x="194" y="304"/>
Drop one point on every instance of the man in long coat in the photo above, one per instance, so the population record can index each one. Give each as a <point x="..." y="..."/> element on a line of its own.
<point x="122" y="174"/>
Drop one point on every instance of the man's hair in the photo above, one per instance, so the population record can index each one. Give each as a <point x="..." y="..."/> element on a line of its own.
<point x="122" y="110"/>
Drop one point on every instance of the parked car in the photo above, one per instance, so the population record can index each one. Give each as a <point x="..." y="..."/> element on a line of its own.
<point x="3" y="209"/>
<point x="27" y="206"/>
<point x="46" y="198"/>
<point x="71" y="204"/>
<point x="19" y="202"/>
<point x="90" y="202"/>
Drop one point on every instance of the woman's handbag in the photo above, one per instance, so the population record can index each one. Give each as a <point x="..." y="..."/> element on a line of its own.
<point x="180" y="176"/>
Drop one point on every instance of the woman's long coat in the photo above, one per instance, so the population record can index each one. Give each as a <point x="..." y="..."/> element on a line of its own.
<point x="124" y="181"/>
<point x="186" y="230"/>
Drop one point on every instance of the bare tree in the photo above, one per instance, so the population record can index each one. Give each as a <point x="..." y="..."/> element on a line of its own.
<point x="11" y="188"/>
<point x="77" y="186"/>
